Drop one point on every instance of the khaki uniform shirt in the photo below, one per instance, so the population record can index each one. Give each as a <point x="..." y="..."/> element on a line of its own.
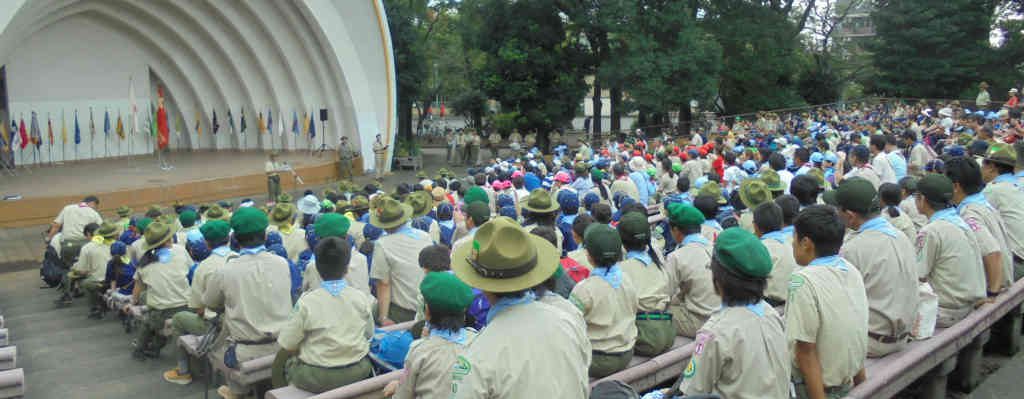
<point x="1008" y="199"/>
<point x="181" y="237"/>
<point x="740" y="354"/>
<point x="294" y="242"/>
<point x="73" y="219"/>
<point x="626" y="186"/>
<point x="866" y="173"/>
<point x="380" y="149"/>
<point x="709" y="232"/>
<point x="397" y="261"/>
<point x="610" y="313"/>
<point x="358" y="276"/>
<point x="783" y="264"/>
<point x="889" y="270"/>
<point x="206" y="268"/>
<point x="428" y="367"/>
<point x="92" y="261"/>
<point x="909" y="208"/>
<point x="580" y="256"/>
<point x="827" y="306"/>
<point x="689" y="272"/>
<point x="652" y="289"/>
<point x="135" y="251"/>
<point x="328" y="330"/>
<point x="919" y="156"/>
<point x="166" y="284"/>
<point x="991" y="234"/>
<point x="255" y="292"/>
<point x="746" y="220"/>
<point x="355" y="231"/>
<point x="556" y="301"/>
<point x="950" y="259"/>
<point x="502" y="362"/>
<point x="902" y="223"/>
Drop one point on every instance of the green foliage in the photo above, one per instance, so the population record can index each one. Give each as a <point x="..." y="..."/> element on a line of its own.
<point x="505" y="122"/>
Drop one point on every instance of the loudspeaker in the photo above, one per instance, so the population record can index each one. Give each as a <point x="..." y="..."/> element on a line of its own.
<point x="323" y="114"/>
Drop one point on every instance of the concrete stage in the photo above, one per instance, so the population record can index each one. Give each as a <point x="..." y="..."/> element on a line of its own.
<point x="138" y="182"/>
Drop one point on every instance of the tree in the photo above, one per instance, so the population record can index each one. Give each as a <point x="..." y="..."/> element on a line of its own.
<point x="405" y="19"/>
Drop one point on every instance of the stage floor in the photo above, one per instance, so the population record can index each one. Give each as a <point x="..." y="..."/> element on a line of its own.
<point x="108" y="175"/>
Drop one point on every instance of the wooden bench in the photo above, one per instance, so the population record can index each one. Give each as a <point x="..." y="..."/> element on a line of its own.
<point x="416" y="162"/>
<point x="8" y="358"/>
<point x="12" y="383"/>
<point x="952" y="353"/>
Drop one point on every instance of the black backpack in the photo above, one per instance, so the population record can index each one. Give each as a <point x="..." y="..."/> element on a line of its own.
<point x="53" y="270"/>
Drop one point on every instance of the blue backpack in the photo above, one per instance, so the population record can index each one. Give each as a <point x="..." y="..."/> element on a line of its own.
<point x="388" y="348"/>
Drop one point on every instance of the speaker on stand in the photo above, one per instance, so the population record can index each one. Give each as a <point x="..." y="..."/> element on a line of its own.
<point x="323" y="132"/>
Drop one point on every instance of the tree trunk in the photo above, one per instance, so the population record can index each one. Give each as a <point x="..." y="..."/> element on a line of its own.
<point x="404" y="119"/>
<point x="685" y="119"/>
<point x="595" y="122"/>
<point x="616" y="103"/>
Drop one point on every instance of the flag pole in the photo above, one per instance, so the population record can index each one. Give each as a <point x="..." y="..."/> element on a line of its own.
<point x="92" y="134"/>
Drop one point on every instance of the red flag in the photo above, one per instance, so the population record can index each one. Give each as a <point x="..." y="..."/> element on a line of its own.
<point x="23" y="133"/>
<point x="442" y="110"/>
<point x="429" y="111"/>
<point x="163" y="132"/>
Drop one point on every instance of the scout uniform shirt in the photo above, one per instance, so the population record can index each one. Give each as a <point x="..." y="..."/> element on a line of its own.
<point x="948" y="256"/>
<point x="886" y="261"/>
<point x="166" y="279"/>
<point x="867" y="173"/>
<point x="73" y="219"/>
<point x="92" y="260"/>
<point x="1006" y="195"/>
<point x="293" y="239"/>
<point x="556" y="301"/>
<point x="827" y="306"/>
<point x="396" y="260"/>
<point x="580" y="256"/>
<point x="502" y="362"/>
<point x="989" y="229"/>
<point x="135" y="250"/>
<point x="689" y="272"/>
<point x="254" y="290"/>
<point x="358" y="276"/>
<point x="428" y="365"/>
<point x="903" y="223"/>
<point x="740" y="353"/>
<point x="783" y="264"/>
<point x="652" y="289"/>
<point x="329" y="330"/>
<point x="218" y="258"/>
<point x="609" y="310"/>
<point x="909" y="208"/>
<point x="625" y="186"/>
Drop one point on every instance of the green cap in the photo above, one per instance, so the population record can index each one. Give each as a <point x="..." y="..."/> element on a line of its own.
<point x="603" y="243"/>
<point x="443" y="292"/>
<point x="651" y="172"/>
<point x="680" y="214"/>
<point x="475" y="194"/>
<point x="634" y="225"/>
<point x="331" y="225"/>
<point x="739" y="250"/>
<point x="249" y="220"/>
<point x="936" y="188"/>
<point x="754" y="192"/>
<point x="857" y="195"/>
<point x="215" y="230"/>
<point x="187" y="218"/>
<point x="771" y="179"/>
<point x="597" y="173"/>
<point x="479" y="212"/>
<point x="676" y="168"/>
<point x="142" y="224"/>
<point x="829" y="198"/>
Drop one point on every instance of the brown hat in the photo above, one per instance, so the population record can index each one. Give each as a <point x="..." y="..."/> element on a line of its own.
<point x="157" y="234"/>
<point x="390" y="214"/>
<point x="540" y="201"/>
<point x="504" y="257"/>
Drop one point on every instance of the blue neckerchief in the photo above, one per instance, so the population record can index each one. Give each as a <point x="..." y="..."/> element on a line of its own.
<point x="757" y="308"/>
<point x="977" y="198"/>
<point x="409" y="231"/>
<point x="569" y="218"/>
<point x="458" y="336"/>
<point x="776" y="235"/>
<point x="503" y="303"/>
<point x="252" y="251"/>
<point x="1007" y="178"/>
<point x="879" y="224"/>
<point x="788" y="230"/>
<point x="641" y="256"/>
<point x="163" y="255"/>
<point x="1019" y="174"/>
<point x="334" y="287"/>
<point x="446" y="223"/>
<point x="696" y="237"/>
<point x="834" y="261"/>
<point x="222" y="251"/>
<point x="613" y="275"/>
<point x="950" y="215"/>
<point x="713" y="223"/>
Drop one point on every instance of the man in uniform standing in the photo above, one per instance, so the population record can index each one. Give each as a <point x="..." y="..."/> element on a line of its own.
<point x="467" y="146"/>
<point x="345" y="155"/>
<point x="380" y="154"/>
<point x="273" y="170"/>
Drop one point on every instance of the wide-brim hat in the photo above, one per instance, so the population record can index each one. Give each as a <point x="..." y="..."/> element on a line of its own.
<point x="712" y="189"/>
<point x="771" y="179"/>
<point x="1002" y="154"/>
<point x="282" y="214"/>
<point x="157" y="234"/>
<point x="390" y="213"/>
<point x="359" y="203"/>
<point x="123" y="211"/>
<point x="540" y="201"/>
<point x="108" y="230"/>
<point x="421" y="203"/>
<point x="754" y="192"/>
<point x="637" y="163"/>
<point x="504" y="257"/>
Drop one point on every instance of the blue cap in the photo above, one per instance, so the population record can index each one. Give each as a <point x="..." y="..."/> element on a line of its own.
<point x="750" y="166"/>
<point x="701" y="181"/>
<point x="817" y="157"/>
<point x="956" y="151"/>
<point x="508" y="211"/>
<point x="831" y="157"/>
<point x="590" y="199"/>
<point x="568" y="201"/>
<point x="118" y="248"/>
<point x="737" y="149"/>
<point x="273" y="238"/>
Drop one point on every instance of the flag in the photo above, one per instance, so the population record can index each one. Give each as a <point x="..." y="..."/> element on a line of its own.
<point x="216" y="126"/>
<point x="78" y="131"/>
<point x="49" y="128"/>
<point x="231" y="122"/>
<point x="270" y="123"/>
<point x="16" y="139"/>
<point x="37" y="137"/>
<point x="64" y="129"/>
<point x="4" y="138"/>
<point x="163" y="137"/>
<point x="261" y="125"/>
<point x="242" y="122"/>
<point x="106" y="124"/>
<point x="134" y="108"/>
<point x="120" y="127"/>
<point x="280" y="124"/>
<point x="295" y="123"/>
<point x="312" y="129"/>
<point x="177" y="126"/>
<point x="152" y="121"/>
<point x="305" y="123"/>
<point x="442" y="109"/>
<point x="92" y="126"/>
<point x="199" y="129"/>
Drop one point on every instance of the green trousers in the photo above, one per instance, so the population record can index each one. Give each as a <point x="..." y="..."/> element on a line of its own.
<point x="150" y="339"/>
<point x="94" y="293"/>
<point x="188" y="322"/>
<point x="654" y="337"/>
<point x="399" y="314"/>
<point x="344" y="168"/>
<point x="605" y="364"/>
<point x="289" y="369"/>
<point x="273" y="187"/>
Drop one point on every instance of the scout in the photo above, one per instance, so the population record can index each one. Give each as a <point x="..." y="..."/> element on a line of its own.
<point x="325" y="342"/>
<point x="768" y="227"/>
<point x="885" y="258"/>
<point x="187" y="219"/>
<point x="345" y="155"/>
<point x="422" y="204"/>
<point x="91" y="269"/>
<point x="1004" y="192"/>
<point x="687" y="268"/>
<point x="753" y="192"/>
<point x="71" y="220"/>
<point x="380" y="155"/>
<point x="476" y="214"/>
<point x="655" y="332"/>
<point x="358" y="274"/>
<point x="396" y="262"/>
<point x="609" y="302"/>
<point x="163" y="275"/>
<point x="505" y="262"/>
<point x="273" y="171"/>
<point x="827" y="309"/>
<point x="194" y="321"/>
<point x="282" y="220"/>
<point x="124" y="214"/>
<point x="741" y="350"/>
<point x="984" y="219"/>
<point x="428" y="365"/>
<point x="253" y="291"/>
<point x="579" y="227"/>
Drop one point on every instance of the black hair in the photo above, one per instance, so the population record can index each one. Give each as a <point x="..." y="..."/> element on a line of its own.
<point x="965" y="172"/>
<point x="633" y="207"/>
<point x="736" y="201"/>
<point x="90" y="228"/>
<point x="736" y="289"/>
<point x="683" y="184"/>
<point x="455" y="185"/>
<point x="602" y="213"/>
<point x="618" y="169"/>
<point x="905" y="184"/>
<point x="892" y="140"/>
<point x="877" y="142"/>
<point x="801" y="156"/>
<point x="729" y="157"/>
<point x="768" y="217"/>
<point x="579" y="226"/>
<point x="601" y="189"/>
<point x="447" y="321"/>
<point x="776" y="161"/>
<point x="790" y="207"/>
<point x="332" y="257"/>
<point x="666" y="165"/>
<point x="806" y="189"/>
<point x="821" y="225"/>
<point x="540" y="219"/>
<point x="250" y="240"/>
<point x="1000" y="167"/>
<point x="890" y="194"/>
<point x="436" y="258"/>
<point x="546" y="233"/>
<point x="706" y="204"/>
<point x="153" y="213"/>
<point x="91" y="198"/>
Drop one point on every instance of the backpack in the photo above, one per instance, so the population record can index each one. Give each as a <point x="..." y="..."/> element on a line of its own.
<point x="52" y="270"/>
<point x="574" y="270"/>
<point x="389" y="348"/>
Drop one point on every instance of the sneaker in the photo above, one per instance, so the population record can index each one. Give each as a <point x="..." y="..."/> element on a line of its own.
<point x="225" y="392"/>
<point x="174" y="377"/>
<point x="64" y="300"/>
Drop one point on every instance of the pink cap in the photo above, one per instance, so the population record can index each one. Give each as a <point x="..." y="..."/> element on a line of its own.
<point x="563" y="177"/>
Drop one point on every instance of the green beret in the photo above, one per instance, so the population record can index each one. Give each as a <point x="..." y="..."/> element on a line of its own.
<point x="829" y="198"/>
<point x="677" y="168"/>
<point x="936" y="188"/>
<point x="443" y="292"/>
<point x="680" y="214"/>
<point x="249" y="220"/>
<point x="215" y="230"/>
<point x="740" y="251"/>
<point x="603" y="243"/>
<point x="634" y="225"/>
<point x="857" y="195"/>
<point x="475" y="194"/>
<point x="187" y="218"/>
<point x="479" y="212"/>
<point x="331" y="225"/>
<point x="597" y="173"/>
<point x="142" y="224"/>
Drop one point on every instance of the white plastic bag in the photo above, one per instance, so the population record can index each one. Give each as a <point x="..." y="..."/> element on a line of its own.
<point x="927" y="312"/>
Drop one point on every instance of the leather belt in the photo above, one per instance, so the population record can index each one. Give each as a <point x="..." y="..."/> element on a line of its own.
<point x="888" y="339"/>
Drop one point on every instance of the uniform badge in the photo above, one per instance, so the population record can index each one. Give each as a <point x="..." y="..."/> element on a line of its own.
<point x="691" y="368"/>
<point x="461" y="368"/>
<point x="703" y="338"/>
<point x="796" y="281"/>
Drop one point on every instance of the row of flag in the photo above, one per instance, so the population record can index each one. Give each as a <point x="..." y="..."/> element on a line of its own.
<point x="304" y="126"/>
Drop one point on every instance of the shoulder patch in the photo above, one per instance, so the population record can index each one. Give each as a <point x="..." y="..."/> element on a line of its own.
<point x="461" y="368"/>
<point x="919" y="242"/>
<point x="691" y="368"/>
<point x="703" y="338"/>
<point x="972" y="223"/>
<point x="796" y="281"/>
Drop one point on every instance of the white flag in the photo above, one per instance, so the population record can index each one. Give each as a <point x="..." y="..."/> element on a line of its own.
<point x="134" y="107"/>
<point x="280" y="123"/>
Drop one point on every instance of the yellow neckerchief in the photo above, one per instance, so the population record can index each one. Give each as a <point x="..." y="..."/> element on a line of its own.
<point x="126" y="260"/>
<point x="351" y="216"/>
<point x="286" y="228"/>
<point x="100" y="240"/>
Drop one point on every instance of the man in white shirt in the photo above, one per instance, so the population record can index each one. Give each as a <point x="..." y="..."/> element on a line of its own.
<point x="880" y="161"/>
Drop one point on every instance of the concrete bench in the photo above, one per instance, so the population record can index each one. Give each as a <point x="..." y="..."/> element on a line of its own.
<point x="8" y="357"/>
<point x="1" y="322"/>
<point x="952" y="353"/>
<point x="5" y="337"/>
<point x="12" y="384"/>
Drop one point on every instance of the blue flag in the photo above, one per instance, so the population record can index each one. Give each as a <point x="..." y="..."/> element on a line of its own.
<point x="78" y="131"/>
<point x="270" y="122"/>
<point x="243" y="121"/>
<point x="231" y="121"/>
<point x="106" y="123"/>
<point x="312" y="129"/>
<point x="295" y="123"/>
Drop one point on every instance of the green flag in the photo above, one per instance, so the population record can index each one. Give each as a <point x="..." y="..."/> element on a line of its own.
<point x="152" y="121"/>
